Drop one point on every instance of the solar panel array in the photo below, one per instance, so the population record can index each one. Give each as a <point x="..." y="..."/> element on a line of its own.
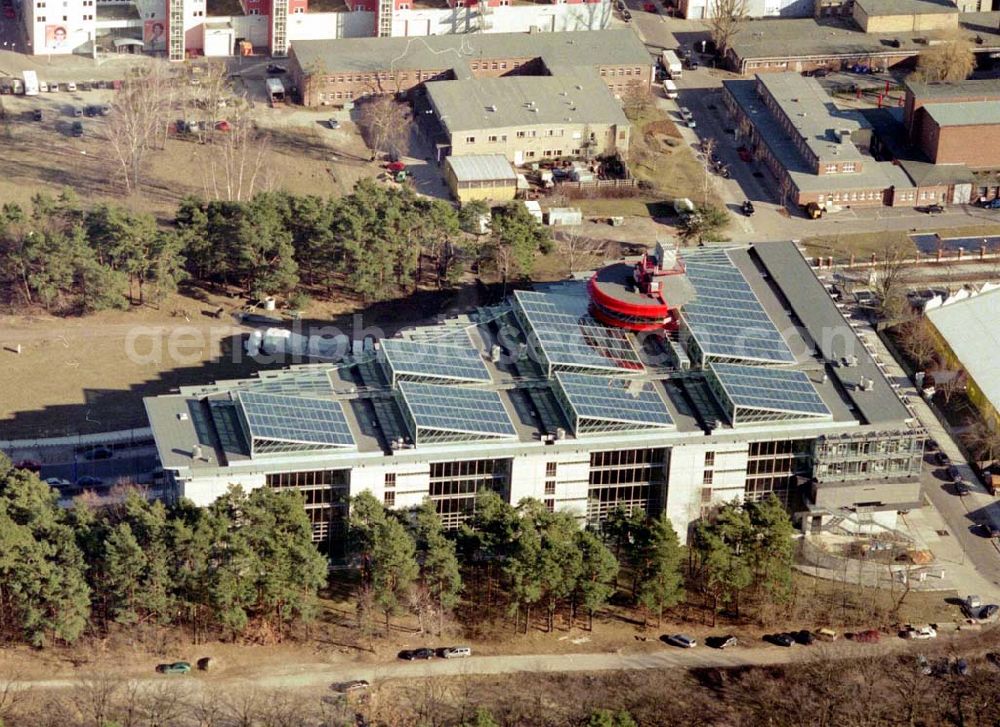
<point x="756" y="387"/>
<point x="295" y="419"/>
<point x="614" y="399"/>
<point x="726" y="317"/>
<point x="569" y="337"/>
<point x="476" y="412"/>
<point x="433" y="360"/>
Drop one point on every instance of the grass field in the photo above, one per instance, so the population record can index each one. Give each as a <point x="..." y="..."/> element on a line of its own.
<point x="863" y="244"/>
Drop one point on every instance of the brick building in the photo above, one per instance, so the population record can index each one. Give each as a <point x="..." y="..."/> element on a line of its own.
<point x="963" y="133"/>
<point x="815" y="152"/>
<point x="334" y="73"/>
<point x="530" y="118"/>
<point x="904" y="16"/>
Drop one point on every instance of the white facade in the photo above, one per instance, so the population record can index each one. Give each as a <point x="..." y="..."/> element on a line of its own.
<point x="60" y="27"/>
<point x="703" y="9"/>
<point x="504" y="19"/>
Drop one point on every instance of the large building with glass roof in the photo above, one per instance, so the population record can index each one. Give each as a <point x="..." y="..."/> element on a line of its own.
<point x="721" y="373"/>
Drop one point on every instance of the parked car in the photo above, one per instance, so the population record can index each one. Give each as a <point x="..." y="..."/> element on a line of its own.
<point x="71" y="87"/>
<point x="99" y="452"/>
<point x="784" y="639"/>
<point x="962" y="668"/>
<point x="961" y="488"/>
<point x="9" y="13"/>
<point x="626" y="15"/>
<point x="177" y="667"/>
<point x="58" y="482"/>
<point x="804" y="637"/>
<point x="105" y="110"/>
<point x="826" y="634"/>
<point x="921" y="632"/>
<point x="36" y="114"/>
<point x="721" y="642"/>
<point x="333" y="123"/>
<point x="692" y="64"/>
<point x="871" y="636"/>
<point x="274" y="69"/>
<point x="455" y="652"/>
<point x="942" y="459"/>
<point x="411" y="654"/>
<point x="931" y="209"/>
<point x="76" y="111"/>
<point x="953" y="474"/>
<point x="744" y="154"/>
<point x="924" y="666"/>
<point x="687" y="116"/>
<point x="355" y="685"/>
<point x="747" y="208"/>
<point x="681" y="640"/>
<point x="649" y="7"/>
<point x="32" y="465"/>
<point x="993" y="204"/>
<point x="223" y="125"/>
<point x="89" y="481"/>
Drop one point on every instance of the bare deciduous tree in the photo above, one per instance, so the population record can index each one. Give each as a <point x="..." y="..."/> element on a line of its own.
<point x="983" y="439"/>
<point x="578" y="251"/>
<point x="385" y="124"/>
<point x="952" y="60"/>
<point x="726" y="19"/>
<point x="636" y="100"/>
<point x="136" y="115"/>
<point x="237" y="160"/>
<point x="918" y="342"/>
<point x="888" y="274"/>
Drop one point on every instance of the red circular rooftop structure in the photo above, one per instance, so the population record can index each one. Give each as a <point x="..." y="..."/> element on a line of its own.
<point x="631" y="296"/>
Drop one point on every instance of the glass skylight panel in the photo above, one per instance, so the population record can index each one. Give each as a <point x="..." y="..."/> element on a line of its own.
<point x="434" y="360"/>
<point x="295" y="419"/>
<point x="476" y="412"/>
<point x="614" y="399"/>
<point x="726" y="317"/>
<point x="568" y="336"/>
<point x="755" y="387"/>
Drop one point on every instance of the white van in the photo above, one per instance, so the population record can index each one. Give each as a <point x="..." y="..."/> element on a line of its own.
<point x="669" y="89"/>
<point x="456" y="652"/>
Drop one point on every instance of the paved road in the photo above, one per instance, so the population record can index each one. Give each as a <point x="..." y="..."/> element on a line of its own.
<point x="319" y="674"/>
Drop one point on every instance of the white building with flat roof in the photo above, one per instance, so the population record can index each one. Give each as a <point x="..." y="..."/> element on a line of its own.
<point x="755" y="385"/>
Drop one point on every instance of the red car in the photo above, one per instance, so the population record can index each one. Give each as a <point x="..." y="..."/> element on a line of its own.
<point x="223" y="125"/>
<point x="871" y="636"/>
<point x="395" y="166"/>
<point x="9" y="13"/>
<point x="649" y="8"/>
<point x="744" y="154"/>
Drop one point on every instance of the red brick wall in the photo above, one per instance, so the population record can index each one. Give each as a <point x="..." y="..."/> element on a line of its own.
<point x="974" y="146"/>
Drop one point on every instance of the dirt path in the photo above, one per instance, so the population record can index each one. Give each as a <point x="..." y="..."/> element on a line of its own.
<point x="312" y="675"/>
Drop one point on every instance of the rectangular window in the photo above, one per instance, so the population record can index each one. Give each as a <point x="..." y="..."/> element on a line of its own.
<point x="390" y="480"/>
<point x="389" y="499"/>
<point x="709" y="459"/>
<point x="521" y="134"/>
<point x="550" y="487"/>
<point x="551" y="468"/>
<point x="831" y="168"/>
<point x="706" y="479"/>
<point x="550" y="505"/>
<point x="847" y="167"/>
<point x="470" y="140"/>
<point x="492" y="139"/>
<point x="706" y="495"/>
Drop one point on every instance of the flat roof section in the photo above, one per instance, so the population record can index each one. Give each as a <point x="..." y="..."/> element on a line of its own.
<point x="831" y="37"/>
<point x="440" y="52"/>
<point x="482" y="168"/>
<point x="974" y="113"/>
<point x="985" y="89"/>
<point x="875" y="8"/>
<point x="831" y="333"/>
<point x="970" y="328"/>
<point x="580" y="97"/>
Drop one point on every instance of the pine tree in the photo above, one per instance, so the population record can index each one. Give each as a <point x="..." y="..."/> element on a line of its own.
<point x="393" y="568"/>
<point x="662" y="584"/>
<point x="598" y="574"/>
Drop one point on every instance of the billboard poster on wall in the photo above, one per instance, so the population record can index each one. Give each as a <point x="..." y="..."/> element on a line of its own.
<point x="154" y="35"/>
<point x="56" y="37"/>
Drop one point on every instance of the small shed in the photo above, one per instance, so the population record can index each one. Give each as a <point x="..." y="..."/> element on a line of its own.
<point x="534" y="209"/>
<point x="219" y="39"/>
<point x="565" y="216"/>
<point x="480" y="176"/>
